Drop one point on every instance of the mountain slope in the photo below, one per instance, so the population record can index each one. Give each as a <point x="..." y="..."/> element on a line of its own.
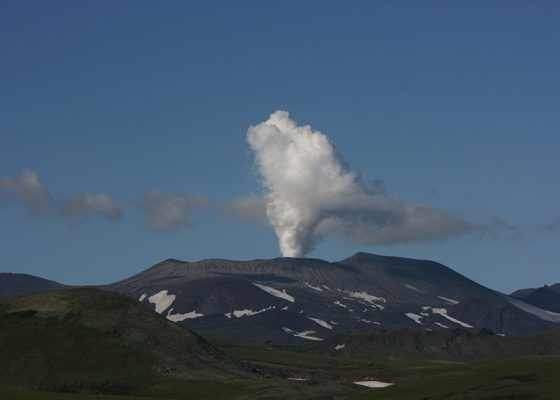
<point x="15" y="284"/>
<point x="88" y="340"/>
<point x="546" y="297"/>
<point x="291" y="300"/>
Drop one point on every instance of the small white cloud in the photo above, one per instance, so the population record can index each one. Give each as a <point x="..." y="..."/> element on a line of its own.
<point x="250" y="208"/>
<point x="165" y="212"/>
<point x="35" y="196"/>
<point x="28" y="189"/>
<point x="84" y="204"/>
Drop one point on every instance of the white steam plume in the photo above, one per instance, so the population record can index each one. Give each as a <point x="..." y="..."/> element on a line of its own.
<point x="312" y="193"/>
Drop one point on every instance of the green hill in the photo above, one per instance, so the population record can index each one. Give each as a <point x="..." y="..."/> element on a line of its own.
<point x="91" y="341"/>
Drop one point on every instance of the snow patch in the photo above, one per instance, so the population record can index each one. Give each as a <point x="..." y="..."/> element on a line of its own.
<point x="304" y="335"/>
<point x="338" y="303"/>
<point x="141" y="299"/>
<point x="243" y="313"/>
<point x="443" y="313"/>
<point x="317" y="288"/>
<point x="297" y="379"/>
<point x="182" y="317"/>
<point x="307" y="335"/>
<point x="450" y="301"/>
<point x="275" y="292"/>
<point x="442" y="325"/>
<point x="412" y="288"/>
<point x="162" y="300"/>
<point x="373" y="384"/>
<point x="339" y="346"/>
<point x="367" y="321"/>
<point x="324" y="324"/>
<point x="371" y="299"/>
<point x="415" y="317"/>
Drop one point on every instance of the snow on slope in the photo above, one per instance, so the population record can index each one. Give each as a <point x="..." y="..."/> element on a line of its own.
<point x="182" y="317"/>
<point x="373" y="384"/>
<point x="162" y="300"/>
<point x="246" y="312"/>
<point x="324" y="324"/>
<point x="415" y="317"/>
<point x="447" y="299"/>
<point x="304" y="335"/>
<point x="443" y="313"/>
<point x="275" y="292"/>
<point x="317" y="288"/>
<point x="539" y="312"/>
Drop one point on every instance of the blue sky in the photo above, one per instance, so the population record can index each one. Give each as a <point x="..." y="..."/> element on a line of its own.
<point x="452" y="104"/>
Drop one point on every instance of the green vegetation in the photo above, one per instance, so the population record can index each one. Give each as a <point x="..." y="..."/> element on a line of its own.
<point x="456" y="345"/>
<point x="86" y="344"/>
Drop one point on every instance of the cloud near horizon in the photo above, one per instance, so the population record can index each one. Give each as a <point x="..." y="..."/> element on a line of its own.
<point x="312" y="194"/>
<point x="165" y="212"/>
<point x="28" y="190"/>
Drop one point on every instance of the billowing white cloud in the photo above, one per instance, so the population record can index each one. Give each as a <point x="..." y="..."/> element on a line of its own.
<point x="312" y="193"/>
<point x="28" y="189"/>
<point x="250" y="208"/>
<point x="169" y="211"/>
<point x="84" y="204"/>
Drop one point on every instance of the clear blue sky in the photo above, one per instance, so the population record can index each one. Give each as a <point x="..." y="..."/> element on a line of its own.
<point x="453" y="104"/>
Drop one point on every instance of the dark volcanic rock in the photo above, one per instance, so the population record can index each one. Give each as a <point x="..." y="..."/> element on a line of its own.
<point x="299" y="300"/>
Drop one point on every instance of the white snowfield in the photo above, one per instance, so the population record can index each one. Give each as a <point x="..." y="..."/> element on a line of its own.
<point x="324" y="324"/>
<point x="141" y="299"/>
<point x="415" y="317"/>
<point x="275" y="292"/>
<point x="374" y="384"/>
<point x="243" y="313"/>
<point x="317" y="288"/>
<point x="304" y="335"/>
<point x="443" y="313"/>
<point x="182" y="317"/>
<point x="450" y="301"/>
<point x="442" y="325"/>
<point x="162" y="300"/>
<point x="339" y="346"/>
<point x="539" y="312"/>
